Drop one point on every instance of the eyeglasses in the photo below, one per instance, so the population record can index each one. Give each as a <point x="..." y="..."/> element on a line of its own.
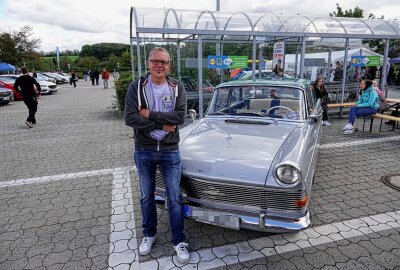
<point x="157" y="62"/>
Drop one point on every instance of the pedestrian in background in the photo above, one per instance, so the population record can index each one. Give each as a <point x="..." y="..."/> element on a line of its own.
<point x="92" y="78"/>
<point x="105" y="76"/>
<point x="155" y="106"/>
<point x="25" y="84"/>
<point x="85" y="75"/>
<point x="73" y="78"/>
<point x="322" y="94"/>
<point x="96" y="74"/>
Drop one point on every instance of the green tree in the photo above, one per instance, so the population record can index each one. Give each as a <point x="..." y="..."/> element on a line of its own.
<point x="88" y="62"/>
<point x="356" y="13"/>
<point x="8" y="48"/>
<point x="18" y="46"/>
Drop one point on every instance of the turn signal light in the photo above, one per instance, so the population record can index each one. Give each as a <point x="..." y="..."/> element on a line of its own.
<point x="302" y="203"/>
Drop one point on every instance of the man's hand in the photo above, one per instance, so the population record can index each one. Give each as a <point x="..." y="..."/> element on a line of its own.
<point x="169" y="128"/>
<point x="144" y="113"/>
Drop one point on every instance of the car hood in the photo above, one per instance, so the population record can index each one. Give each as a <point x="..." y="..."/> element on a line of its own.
<point x="232" y="152"/>
<point x="46" y="83"/>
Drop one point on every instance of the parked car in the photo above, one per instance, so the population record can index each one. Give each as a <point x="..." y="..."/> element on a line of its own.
<point x="250" y="162"/>
<point x="42" y="77"/>
<point x="59" y="79"/>
<point x="8" y="81"/>
<point x="192" y="93"/>
<point x="6" y="95"/>
<point x="46" y="87"/>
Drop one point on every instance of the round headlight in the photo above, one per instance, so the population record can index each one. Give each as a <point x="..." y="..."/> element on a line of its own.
<point x="287" y="173"/>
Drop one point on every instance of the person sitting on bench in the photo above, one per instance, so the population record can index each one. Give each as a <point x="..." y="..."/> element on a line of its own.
<point x="368" y="104"/>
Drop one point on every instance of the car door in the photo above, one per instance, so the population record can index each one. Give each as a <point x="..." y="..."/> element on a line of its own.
<point x="311" y="135"/>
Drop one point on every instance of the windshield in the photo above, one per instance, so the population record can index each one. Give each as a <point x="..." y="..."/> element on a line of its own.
<point x="7" y="79"/>
<point x="264" y="101"/>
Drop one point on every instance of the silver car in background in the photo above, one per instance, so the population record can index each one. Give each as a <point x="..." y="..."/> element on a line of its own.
<point x="250" y="162"/>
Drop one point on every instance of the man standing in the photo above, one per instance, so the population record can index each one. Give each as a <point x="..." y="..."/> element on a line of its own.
<point x="154" y="106"/>
<point x="25" y="84"/>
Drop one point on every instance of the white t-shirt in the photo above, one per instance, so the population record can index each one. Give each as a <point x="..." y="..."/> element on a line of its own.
<point x="162" y="101"/>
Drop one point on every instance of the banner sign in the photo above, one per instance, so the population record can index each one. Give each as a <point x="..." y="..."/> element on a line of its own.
<point x="279" y="53"/>
<point x="365" y="61"/>
<point x="222" y="61"/>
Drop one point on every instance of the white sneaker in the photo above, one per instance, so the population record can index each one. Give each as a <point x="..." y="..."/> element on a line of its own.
<point x="146" y="245"/>
<point x="348" y="126"/>
<point x="348" y="131"/>
<point x="182" y="252"/>
<point x="326" y="123"/>
<point x="29" y="124"/>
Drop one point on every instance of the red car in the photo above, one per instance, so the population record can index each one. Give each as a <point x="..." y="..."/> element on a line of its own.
<point x="8" y="82"/>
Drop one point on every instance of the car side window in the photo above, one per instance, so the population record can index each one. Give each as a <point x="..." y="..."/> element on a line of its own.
<point x="311" y="98"/>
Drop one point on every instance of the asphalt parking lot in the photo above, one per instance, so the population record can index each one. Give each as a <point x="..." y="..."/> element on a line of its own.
<point x="69" y="198"/>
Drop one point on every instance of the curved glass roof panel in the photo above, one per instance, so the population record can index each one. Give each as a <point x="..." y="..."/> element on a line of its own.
<point x="179" y="21"/>
<point x="269" y="22"/>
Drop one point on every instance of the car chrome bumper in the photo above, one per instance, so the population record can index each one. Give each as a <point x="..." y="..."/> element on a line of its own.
<point x="261" y="222"/>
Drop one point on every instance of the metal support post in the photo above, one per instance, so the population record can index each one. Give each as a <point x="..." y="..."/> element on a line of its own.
<point x="303" y="54"/>
<point x="254" y="57"/>
<point x="132" y="61"/>
<point x="178" y="52"/>
<point x="200" y="74"/>
<point x="384" y="69"/>
<point x="138" y="55"/>
<point x="346" y="53"/>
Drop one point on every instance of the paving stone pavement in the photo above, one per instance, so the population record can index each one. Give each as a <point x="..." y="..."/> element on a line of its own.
<point x="69" y="199"/>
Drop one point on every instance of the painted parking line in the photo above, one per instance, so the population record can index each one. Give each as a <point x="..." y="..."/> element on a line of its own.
<point x="359" y="142"/>
<point x="123" y="241"/>
<point x="281" y="243"/>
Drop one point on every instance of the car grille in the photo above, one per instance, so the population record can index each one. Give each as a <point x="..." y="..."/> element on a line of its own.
<point x="52" y="86"/>
<point x="238" y="195"/>
<point x="5" y="94"/>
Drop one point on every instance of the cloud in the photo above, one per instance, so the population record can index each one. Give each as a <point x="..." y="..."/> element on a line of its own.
<point x="74" y="23"/>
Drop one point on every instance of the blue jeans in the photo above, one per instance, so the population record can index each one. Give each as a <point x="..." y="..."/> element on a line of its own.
<point x="169" y="162"/>
<point x="357" y="111"/>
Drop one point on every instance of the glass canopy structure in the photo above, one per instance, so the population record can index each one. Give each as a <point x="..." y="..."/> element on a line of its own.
<point x="179" y="25"/>
<point x="180" y="22"/>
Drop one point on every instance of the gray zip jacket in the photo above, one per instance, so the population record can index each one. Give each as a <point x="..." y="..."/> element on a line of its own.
<point x="137" y="97"/>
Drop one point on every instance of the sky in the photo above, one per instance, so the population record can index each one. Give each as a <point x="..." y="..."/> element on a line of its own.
<point x="70" y="24"/>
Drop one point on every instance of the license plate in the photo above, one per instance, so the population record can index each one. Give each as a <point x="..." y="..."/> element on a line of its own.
<point x="212" y="217"/>
<point x="6" y="98"/>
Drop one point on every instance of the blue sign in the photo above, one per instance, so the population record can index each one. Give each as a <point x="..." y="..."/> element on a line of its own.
<point x="358" y="61"/>
<point x="218" y="61"/>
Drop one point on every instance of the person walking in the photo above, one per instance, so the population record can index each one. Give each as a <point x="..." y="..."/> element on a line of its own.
<point x="25" y="84"/>
<point x="368" y="104"/>
<point x="92" y="78"/>
<point x="105" y="76"/>
<point x="155" y="106"/>
<point x="73" y="78"/>
<point x="320" y="92"/>
<point x="96" y="75"/>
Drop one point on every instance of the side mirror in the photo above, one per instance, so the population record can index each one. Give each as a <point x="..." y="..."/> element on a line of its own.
<point x="192" y="114"/>
<point x="314" y="117"/>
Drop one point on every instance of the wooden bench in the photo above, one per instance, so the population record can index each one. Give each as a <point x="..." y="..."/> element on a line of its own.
<point x="341" y="105"/>
<point x="381" y="116"/>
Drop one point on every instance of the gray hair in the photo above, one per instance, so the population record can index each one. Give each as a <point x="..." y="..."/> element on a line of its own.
<point x="159" y="49"/>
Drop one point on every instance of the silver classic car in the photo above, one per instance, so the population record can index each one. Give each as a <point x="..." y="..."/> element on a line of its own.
<point x="250" y="162"/>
